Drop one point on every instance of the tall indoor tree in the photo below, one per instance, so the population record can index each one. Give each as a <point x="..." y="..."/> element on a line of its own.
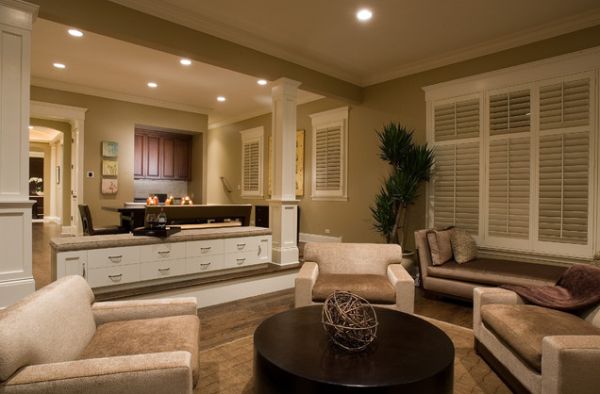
<point x="411" y="165"/>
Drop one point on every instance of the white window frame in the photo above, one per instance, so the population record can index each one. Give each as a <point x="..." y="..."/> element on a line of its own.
<point x="333" y="118"/>
<point x="250" y="136"/>
<point x="533" y="76"/>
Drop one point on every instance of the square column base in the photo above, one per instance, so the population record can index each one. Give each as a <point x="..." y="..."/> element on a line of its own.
<point x="283" y="219"/>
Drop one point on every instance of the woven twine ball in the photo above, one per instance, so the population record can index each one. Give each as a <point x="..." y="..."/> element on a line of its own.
<point x="350" y="321"/>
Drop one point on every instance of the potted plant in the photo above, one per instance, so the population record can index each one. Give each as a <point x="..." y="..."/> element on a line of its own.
<point x="411" y="165"/>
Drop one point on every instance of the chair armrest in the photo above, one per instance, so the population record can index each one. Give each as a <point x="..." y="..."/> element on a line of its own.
<point x="304" y="283"/>
<point x="570" y="364"/>
<point x="491" y="295"/>
<point x="404" y="285"/>
<point x="169" y="372"/>
<point x="143" y="309"/>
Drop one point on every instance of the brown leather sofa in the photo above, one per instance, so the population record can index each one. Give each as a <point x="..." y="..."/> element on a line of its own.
<point x="459" y="280"/>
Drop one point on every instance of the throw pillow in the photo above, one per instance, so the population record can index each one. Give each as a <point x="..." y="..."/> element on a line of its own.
<point x="440" y="245"/>
<point x="463" y="246"/>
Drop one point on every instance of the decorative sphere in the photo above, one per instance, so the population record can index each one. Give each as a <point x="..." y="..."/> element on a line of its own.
<point x="350" y="320"/>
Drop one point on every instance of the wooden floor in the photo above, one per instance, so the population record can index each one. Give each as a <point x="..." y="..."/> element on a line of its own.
<point x="226" y="322"/>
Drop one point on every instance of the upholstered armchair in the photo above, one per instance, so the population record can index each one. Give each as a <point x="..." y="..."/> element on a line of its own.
<point x="536" y="349"/>
<point x="372" y="271"/>
<point x="58" y="340"/>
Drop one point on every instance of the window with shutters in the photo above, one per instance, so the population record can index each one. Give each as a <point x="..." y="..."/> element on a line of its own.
<point x="523" y="178"/>
<point x="252" y="162"/>
<point x="456" y="173"/>
<point x="329" y="154"/>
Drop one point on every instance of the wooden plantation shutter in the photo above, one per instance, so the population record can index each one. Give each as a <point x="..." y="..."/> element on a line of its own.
<point x="456" y="182"/>
<point x="509" y="164"/>
<point x="328" y="154"/>
<point x="564" y="162"/>
<point x="252" y="162"/>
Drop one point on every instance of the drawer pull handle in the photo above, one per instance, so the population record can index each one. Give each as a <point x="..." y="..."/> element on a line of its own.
<point x="164" y="252"/>
<point x="72" y="258"/>
<point x="240" y="261"/>
<point x="115" y="259"/>
<point x="115" y="278"/>
<point x="163" y="270"/>
<point x="241" y="246"/>
<point x="204" y="266"/>
<point x="206" y="249"/>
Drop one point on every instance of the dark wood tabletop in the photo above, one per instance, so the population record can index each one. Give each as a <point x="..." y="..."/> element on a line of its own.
<point x="409" y="355"/>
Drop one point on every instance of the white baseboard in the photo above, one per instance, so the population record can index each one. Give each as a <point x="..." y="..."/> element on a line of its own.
<point x="12" y="291"/>
<point x="305" y="237"/>
<point x="220" y="293"/>
<point x="68" y="230"/>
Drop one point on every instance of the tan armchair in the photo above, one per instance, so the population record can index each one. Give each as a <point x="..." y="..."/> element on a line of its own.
<point x="372" y="271"/>
<point x="536" y="349"/>
<point x="57" y="340"/>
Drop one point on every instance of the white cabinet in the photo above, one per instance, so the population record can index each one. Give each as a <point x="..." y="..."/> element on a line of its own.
<point x="71" y="263"/>
<point x="130" y="264"/>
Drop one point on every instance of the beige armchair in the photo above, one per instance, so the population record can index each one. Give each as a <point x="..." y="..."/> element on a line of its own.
<point x="57" y="340"/>
<point x="536" y="349"/>
<point x="372" y="271"/>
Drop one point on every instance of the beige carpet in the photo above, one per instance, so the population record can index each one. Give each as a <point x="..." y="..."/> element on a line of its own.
<point x="228" y="368"/>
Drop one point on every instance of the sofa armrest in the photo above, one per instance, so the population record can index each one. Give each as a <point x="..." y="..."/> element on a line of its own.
<point x="304" y="283"/>
<point x="405" y="287"/>
<point x="169" y="372"/>
<point x="570" y="364"/>
<point x="491" y="295"/>
<point x="143" y="309"/>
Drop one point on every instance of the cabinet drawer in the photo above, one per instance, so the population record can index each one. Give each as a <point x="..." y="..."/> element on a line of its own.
<point x="205" y="263"/>
<point x="161" y="269"/>
<point x="110" y="257"/>
<point x="166" y="251"/>
<point x="244" y="244"/>
<point x="71" y="263"/>
<point x="205" y="248"/>
<point x="235" y="260"/>
<point x="110" y="276"/>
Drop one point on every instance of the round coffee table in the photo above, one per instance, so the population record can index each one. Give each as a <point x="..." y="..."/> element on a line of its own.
<point x="292" y="354"/>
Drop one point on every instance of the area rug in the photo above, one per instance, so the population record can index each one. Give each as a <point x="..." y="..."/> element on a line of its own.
<point x="227" y="368"/>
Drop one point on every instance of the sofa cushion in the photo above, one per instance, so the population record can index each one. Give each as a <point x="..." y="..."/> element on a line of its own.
<point x="464" y="247"/>
<point x="523" y="327"/>
<point x="374" y="288"/>
<point x="130" y="337"/>
<point x="497" y="272"/>
<point x="54" y="324"/>
<point x="440" y="246"/>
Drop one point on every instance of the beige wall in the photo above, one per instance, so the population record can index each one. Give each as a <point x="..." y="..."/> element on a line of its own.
<point x="401" y="100"/>
<point x="65" y="172"/>
<point x="113" y="120"/>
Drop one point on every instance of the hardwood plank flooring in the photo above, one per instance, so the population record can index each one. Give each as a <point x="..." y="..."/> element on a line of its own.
<point x="227" y="322"/>
<point x="41" y="234"/>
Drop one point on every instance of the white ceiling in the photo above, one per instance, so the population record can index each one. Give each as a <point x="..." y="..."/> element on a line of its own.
<point x="107" y="67"/>
<point x="42" y="134"/>
<point x="403" y="37"/>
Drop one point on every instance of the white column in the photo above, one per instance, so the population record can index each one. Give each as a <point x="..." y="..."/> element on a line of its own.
<point x="16" y="279"/>
<point x="283" y="206"/>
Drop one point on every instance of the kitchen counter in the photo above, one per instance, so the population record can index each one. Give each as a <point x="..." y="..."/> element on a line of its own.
<point x="63" y="244"/>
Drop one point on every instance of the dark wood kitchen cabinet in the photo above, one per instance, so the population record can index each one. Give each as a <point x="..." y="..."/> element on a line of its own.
<point x="160" y="155"/>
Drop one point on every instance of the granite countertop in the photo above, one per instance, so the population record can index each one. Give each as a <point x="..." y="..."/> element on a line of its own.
<point x="63" y="244"/>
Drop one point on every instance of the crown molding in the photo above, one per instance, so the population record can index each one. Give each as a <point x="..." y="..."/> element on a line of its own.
<point x="524" y="37"/>
<point x="253" y="114"/>
<point x="109" y="94"/>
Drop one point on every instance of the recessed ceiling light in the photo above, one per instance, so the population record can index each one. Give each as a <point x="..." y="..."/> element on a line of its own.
<point x="59" y="66"/>
<point x="152" y="85"/>
<point x="185" y="62"/>
<point x="262" y="82"/>
<point x="364" y="14"/>
<point x="75" y="33"/>
<point x="221" y="98"/>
